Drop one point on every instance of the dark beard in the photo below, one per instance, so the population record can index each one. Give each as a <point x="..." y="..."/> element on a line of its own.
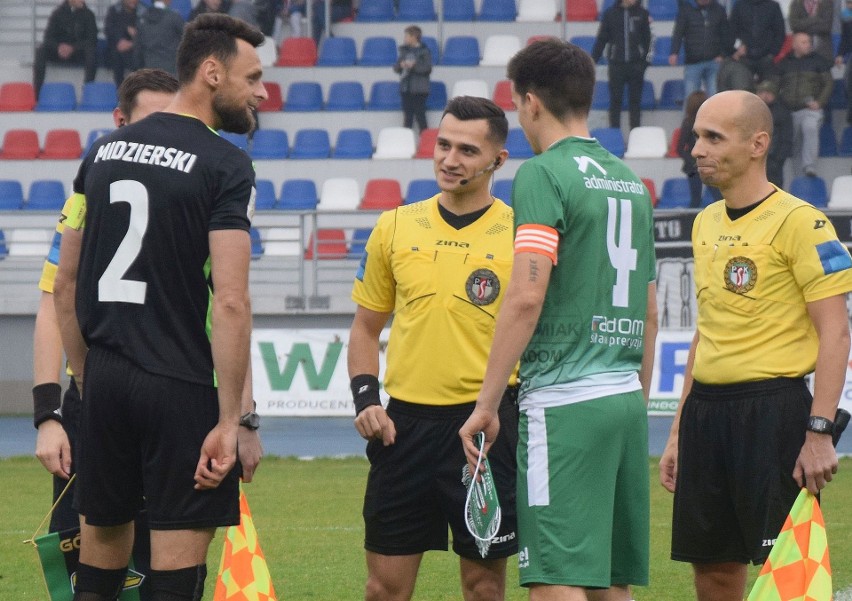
<point x="233" y="119"/>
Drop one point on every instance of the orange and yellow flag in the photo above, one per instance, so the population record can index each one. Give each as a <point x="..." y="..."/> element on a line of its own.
<point x="243" y="573"/>
<point x="797" y="568"/>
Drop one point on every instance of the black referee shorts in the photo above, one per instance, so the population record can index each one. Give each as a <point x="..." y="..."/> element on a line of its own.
<point x="737" y="448"/>
<point x="414" y="490"/>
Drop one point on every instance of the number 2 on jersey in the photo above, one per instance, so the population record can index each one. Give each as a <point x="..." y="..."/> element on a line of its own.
<point x="112" y="287"/>
<point x="621" y="254"/>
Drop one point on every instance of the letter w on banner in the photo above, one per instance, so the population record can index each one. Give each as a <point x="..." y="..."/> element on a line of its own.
<point x="797" y="568"/>
<point x="243" y="573"/>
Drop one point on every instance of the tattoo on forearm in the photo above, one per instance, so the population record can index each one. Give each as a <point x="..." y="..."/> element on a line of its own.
<point x="533" y="270"/>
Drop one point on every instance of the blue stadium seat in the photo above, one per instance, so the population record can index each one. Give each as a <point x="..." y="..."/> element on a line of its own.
<point x="662" y="50"/>
<point x="502" y="189"/>
<point x="378" y="51"/>
<point x="663" y="10"/>
<point x="432" y="44"/>
<point x="98" y="96"/>
<point x="256" y="243"/>
<point x="303" y="96"/>
<point x="269" y="144"/>
<point x="182" y="7"/>
<point x="672" y="94"/>
<point x="810" y="189"/>
<point x="416" y="10"/>
<point x="93" y="136"/>
<point x="498" y="10"/>
<point x="264" y="195"/>
<point x="708" y="198"/>
<point x="461" y="50"/>
<point x="420" y="189"/>
<point x="845" y="149"/>
<point x="587" y="43"/>
<point x="375" y="11"/>
<point x="238" y="140"/>
<point x="311" y="144"/>
<point x="337" y="52"/>
<point x="56" y="96"/>
<point x="517" y="145"/>
<point x="11" y="195"/>
<point x="345" y="96"/>
<point x="4" y="250"/>
<point x="600" y="97"/>
<point x="359" y="242"/>
<point x="675" y="194"/>
<point x="45" y="195"/>
<point x="649" y="100"/>
<point x="437" y="99"/>
<point x="298" y="195"/>
<point x="610" y="138"/>
<point x="827" y="141"/>
<point x="353" y="143"/>
<point x="459" y="10"/>
<point x="384" y="96"/>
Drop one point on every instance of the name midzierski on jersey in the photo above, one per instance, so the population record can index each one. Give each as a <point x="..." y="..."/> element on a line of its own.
<point x="146" y="154"/>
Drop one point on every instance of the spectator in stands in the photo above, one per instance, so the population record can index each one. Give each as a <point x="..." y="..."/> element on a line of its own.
<point x="267" y="11"/>
<point x="625" y="31"/>
<point x="844" y="53"/>
<point x="702" y="27"/>
<point x="210" y="6"/>
<point x="160" y="31"/>
<point x="340" y="9"/>
<point x="685" y="144"/>
<point x="245" y="10"/>
<point x="295" y="11"/>
<point x="757" y="26"/>
<point x="414" y="66"/>
<point x="120" y="30"/>
<point x="805" y="88"/>
<point x="71" y="36"/>
<point x="781" y="145"/>
<point x="815" y="18"/>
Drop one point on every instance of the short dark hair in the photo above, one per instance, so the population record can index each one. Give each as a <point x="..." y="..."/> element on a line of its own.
<point x="141" y="80"/>
<point x="561" y="74"/>
<point x="468" y="108"/>
<point x="415" y="31"/>
<point x="212" y="34"/>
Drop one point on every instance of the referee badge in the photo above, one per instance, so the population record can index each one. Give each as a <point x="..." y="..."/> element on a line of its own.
<point x="740" y="275"/>
<point x="482" y="287"/>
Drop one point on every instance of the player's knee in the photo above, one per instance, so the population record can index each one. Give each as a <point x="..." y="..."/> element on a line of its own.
<point x="382" y="590"/>
<point x="185" y="584"/>
<point x="98" y="584"/>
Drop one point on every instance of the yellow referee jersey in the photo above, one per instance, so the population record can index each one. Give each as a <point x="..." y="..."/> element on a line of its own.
<point x="753" y="278"/>
<point x="444" y="287"/>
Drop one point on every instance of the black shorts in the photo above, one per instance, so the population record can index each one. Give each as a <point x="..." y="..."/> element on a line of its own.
<point x="140" y="438"/>
<point x="415" y="488"/>
<point x="65" y="517"/>
<point x="737" y="449"/>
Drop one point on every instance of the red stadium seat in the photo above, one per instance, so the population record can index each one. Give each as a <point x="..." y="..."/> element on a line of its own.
<point x="297" y="52"/>
<point x="62" y="144"/>
<point x="275" y="101"/>
<point x="503" y="95"/>
<point x="331" y="244"/>
<point x="426" y="145"/>
<point x="652" y="189"/>
<point x="672" y="152"/>
<point x="17" y="96"/>
<point x="581" y="10"/>
<point x="381" y="194"/>
<point x="20" y="144"/>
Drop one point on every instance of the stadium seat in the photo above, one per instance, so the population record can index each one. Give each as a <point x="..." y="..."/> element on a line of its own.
<point x="311" y="144"/>
<point x="298" y="195"/>
<point x="297" y="52"/>
<point x="600" y="96"/>
<point x="45" y="195"/>
<point x="93" y="137"/>
<point x="537" y="10"/>
<point x="17" y="96"/>
<point x="499" y="49"/>
<point x="845" y="149"/>
<point x="662" y="49"/>
<point x="827" y="141"/>
<point x="497" y="10"/>
<point x="11" y="195"/>
<point x="707" y="198"/>
<point x="274" y="101"/>
<point x="646" y="142"/>
<point x="381" y="195"/>
<point x="581" y="10"/>
<point x="432" y="44"/>
<point x="4" y="250"/>
<point x="664" y="10"/>
<point x="459" y="10"/>
<point x="98" y="96"/>
<point x="517" y="145"/>
<point x="56" y="96"/>
<point x="675" y="194"/>
<point x="375" y="11"/>
<point x="353" y="143"/>
<point x="426" y="143"/>
<point x="461" y="50"/>
<point x="502" y="189"/>
<point x="181" y="7"/>
<point x="264" y="199"/>
<point x="256" y="243"/>
<point x="238" y="140"/>
<point x="337" y="52"/>
<point x="437" y="99"/>
<point x="672" y="152"/>
<point x="29" y="242"/>
<point x="267" y="52"/>
<point x="420" y="189"/>
<point x="470" y="87"/>
<point x="304" y="96"/>
<point x="395" y="143"/>
<point x="269" y="144"/>
<point x="587" y="43"/>
<point x="20" y="144"/>
<point x="359" y="242"/>
<point x="652" y="189"/>
<point x="330" y="244"/>
<point x="62" y="144"/>
<point x="672" y="94"/>
<point x="810" y="189"/>
<point x="282" y="242"/>
<point x="416" y="10"/>
<point x="378" y="51"/>
<point x="649" y="100"/>
<point x="610" y="138"/>
<point x="384" y="96"/>
<point x="841" y="192"/>
<point x="503" y="95"/>
<point x="345" y="96"/>
<point x="339" y="194"/>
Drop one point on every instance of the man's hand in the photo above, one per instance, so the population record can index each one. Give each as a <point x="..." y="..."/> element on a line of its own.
<point x="817" y="462"/>
<point x="668" y="465"/>
<point x="218" y="456"/>
<point x="64" y="51"/>
<point x="373" y="422"/>
<point x="250" y="451"/>
<point x="479" y="421"/>
<point x="53" y="448"/>
<point x="124" y="45"/>
<point x="673" y="59"/>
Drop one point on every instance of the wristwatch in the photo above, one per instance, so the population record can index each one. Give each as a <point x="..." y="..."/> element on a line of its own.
<point x="820" y="425"/>
<point x="250" y="420"/>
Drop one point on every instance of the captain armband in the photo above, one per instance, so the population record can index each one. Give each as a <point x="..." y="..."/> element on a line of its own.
<point x="47" y="403"/>
<point x="365" y="391"/>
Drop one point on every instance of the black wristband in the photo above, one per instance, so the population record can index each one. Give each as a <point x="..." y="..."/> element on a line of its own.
<point x="47" y="403"/>
<point x="365" y="391"/>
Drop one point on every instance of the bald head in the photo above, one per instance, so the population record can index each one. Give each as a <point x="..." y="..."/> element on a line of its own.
<point x="747" y="112"/>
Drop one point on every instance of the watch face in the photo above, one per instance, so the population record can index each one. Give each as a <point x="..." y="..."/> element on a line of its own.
<point x="250" y="420"/>
<point x="820" y="425"/>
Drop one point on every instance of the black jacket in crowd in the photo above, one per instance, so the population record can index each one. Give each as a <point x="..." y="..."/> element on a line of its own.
<point x="781" y="147"/>
<point x="117" y="23"/>
<point x="75" y="27"/>
<point x="759" y="25"/>
<point x="626" y="33"/>
<point x="704" y="32"/>
<point x="416" y="79"/>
